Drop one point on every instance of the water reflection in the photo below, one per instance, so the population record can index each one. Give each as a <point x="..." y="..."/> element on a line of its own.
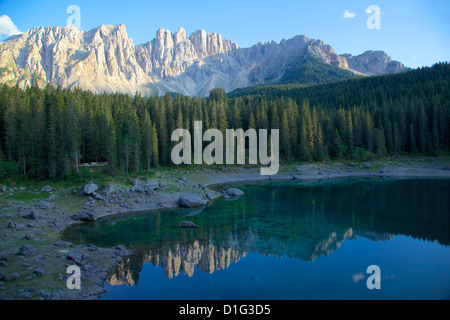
<point x="305" y="221"/>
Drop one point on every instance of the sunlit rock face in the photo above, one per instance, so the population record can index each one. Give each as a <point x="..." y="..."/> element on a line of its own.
<point x="105" y="59"/>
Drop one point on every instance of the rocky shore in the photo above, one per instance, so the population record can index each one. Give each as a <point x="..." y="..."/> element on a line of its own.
<point x="34" y="257"/>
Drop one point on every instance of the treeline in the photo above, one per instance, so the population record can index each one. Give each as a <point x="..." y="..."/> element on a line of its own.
<point x="46" y="133"/>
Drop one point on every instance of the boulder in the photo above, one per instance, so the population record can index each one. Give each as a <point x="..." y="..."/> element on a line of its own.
<point x="234" y="192"/>
<point x="137" y="189"/>
<point x="10" y="277"/>
<point x="39" y="272"/>
<point x="108" y="190"/>
<point x="46" y="189"/>
<point x="44" y="204"/>
<point x="15" y="226"/>
<point x="85" y="215"/>
<point x="76" y="258"/>
<point x="136" y="183"/>
<point x="30" y="216"/>
<point x="151" y="185"/>
<point x="27" y="250"/>
<point x="191" y="201"/>
<point x="90" y="188"/>
<point x="6" y="256"/>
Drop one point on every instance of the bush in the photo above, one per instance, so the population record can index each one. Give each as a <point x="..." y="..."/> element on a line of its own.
<point x="8" y="169"/>
<point x="364" y="155"/>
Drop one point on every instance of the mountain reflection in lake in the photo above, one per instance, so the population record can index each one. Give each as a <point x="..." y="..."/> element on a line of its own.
<point x="268" y="243"/>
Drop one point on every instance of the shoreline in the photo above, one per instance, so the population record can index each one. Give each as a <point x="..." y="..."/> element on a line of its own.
<point x="41" y="273"/>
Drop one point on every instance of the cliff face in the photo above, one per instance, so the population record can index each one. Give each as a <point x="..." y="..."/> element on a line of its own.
<point x="374" y="63"/>
<point x="106" y="59"/>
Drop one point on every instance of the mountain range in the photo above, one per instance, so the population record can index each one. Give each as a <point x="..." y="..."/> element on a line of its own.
<point x="105" y="59"/>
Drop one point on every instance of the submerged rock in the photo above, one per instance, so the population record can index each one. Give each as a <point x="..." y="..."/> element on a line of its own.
<point x="187" y="224"/>
<point x="234" y="192"/>
<point x="191" y="201"/>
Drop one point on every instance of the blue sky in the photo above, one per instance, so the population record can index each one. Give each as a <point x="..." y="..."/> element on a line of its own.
<point x="414" y="32"/>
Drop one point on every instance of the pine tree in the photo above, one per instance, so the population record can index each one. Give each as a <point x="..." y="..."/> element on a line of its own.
<point x="285" y="136"/>
<point x="146" y="140"/>
<point x="155" y="149"/>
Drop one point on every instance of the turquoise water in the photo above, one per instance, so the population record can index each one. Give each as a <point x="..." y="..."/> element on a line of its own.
<point x="288" y="240"/>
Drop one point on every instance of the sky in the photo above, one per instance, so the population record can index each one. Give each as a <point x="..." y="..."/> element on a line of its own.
<point x="415" y="32"/>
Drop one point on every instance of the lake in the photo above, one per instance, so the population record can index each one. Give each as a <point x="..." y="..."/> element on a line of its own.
<point x="287" y="240"/>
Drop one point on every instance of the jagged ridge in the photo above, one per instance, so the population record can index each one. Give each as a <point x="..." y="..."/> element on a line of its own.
<point x="106" y="59"/>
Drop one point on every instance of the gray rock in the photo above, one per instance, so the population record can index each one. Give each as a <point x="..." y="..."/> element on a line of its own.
<point x="234" y="192"/>
<point x="210" y="196"/>
<point x="152" y="185"/>
<point x="4" y="188"/>
<point x="191" y="201"/>
<point x="31" y="216"/>
<point x="45" y="205"/>
<point x="108" y="190"/>
<point x="90" y="188"/>
<point x="29" y="237"/>
<point x="85" y="215"/>
<point x="92" y="248"/>
<point x="6" y="256"/>
<point x="15" y="226"/>
<point x="39" y="272"/>
<point x="25" y="295"/>
<point x="10" y="277"/>
<point x="137" y="189"/>
<point x="187" y="224"/>
<point x="97" y="196"/>
<point x="76" y="258"/>
<point x="136" y="183"/>
<point x="46" y="189"/>
<point x="183" y="178"/>
<point x="61" y="243"/>
<point x="367" y="166"/>
<point x="27" y="250"/>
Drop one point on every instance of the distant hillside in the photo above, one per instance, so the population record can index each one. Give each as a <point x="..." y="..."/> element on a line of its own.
<point x="364" y="90"/>
<point x="314" y="71"/>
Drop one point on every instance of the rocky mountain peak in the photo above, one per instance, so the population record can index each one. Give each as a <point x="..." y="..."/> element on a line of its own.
<point x="106" y="59"/>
